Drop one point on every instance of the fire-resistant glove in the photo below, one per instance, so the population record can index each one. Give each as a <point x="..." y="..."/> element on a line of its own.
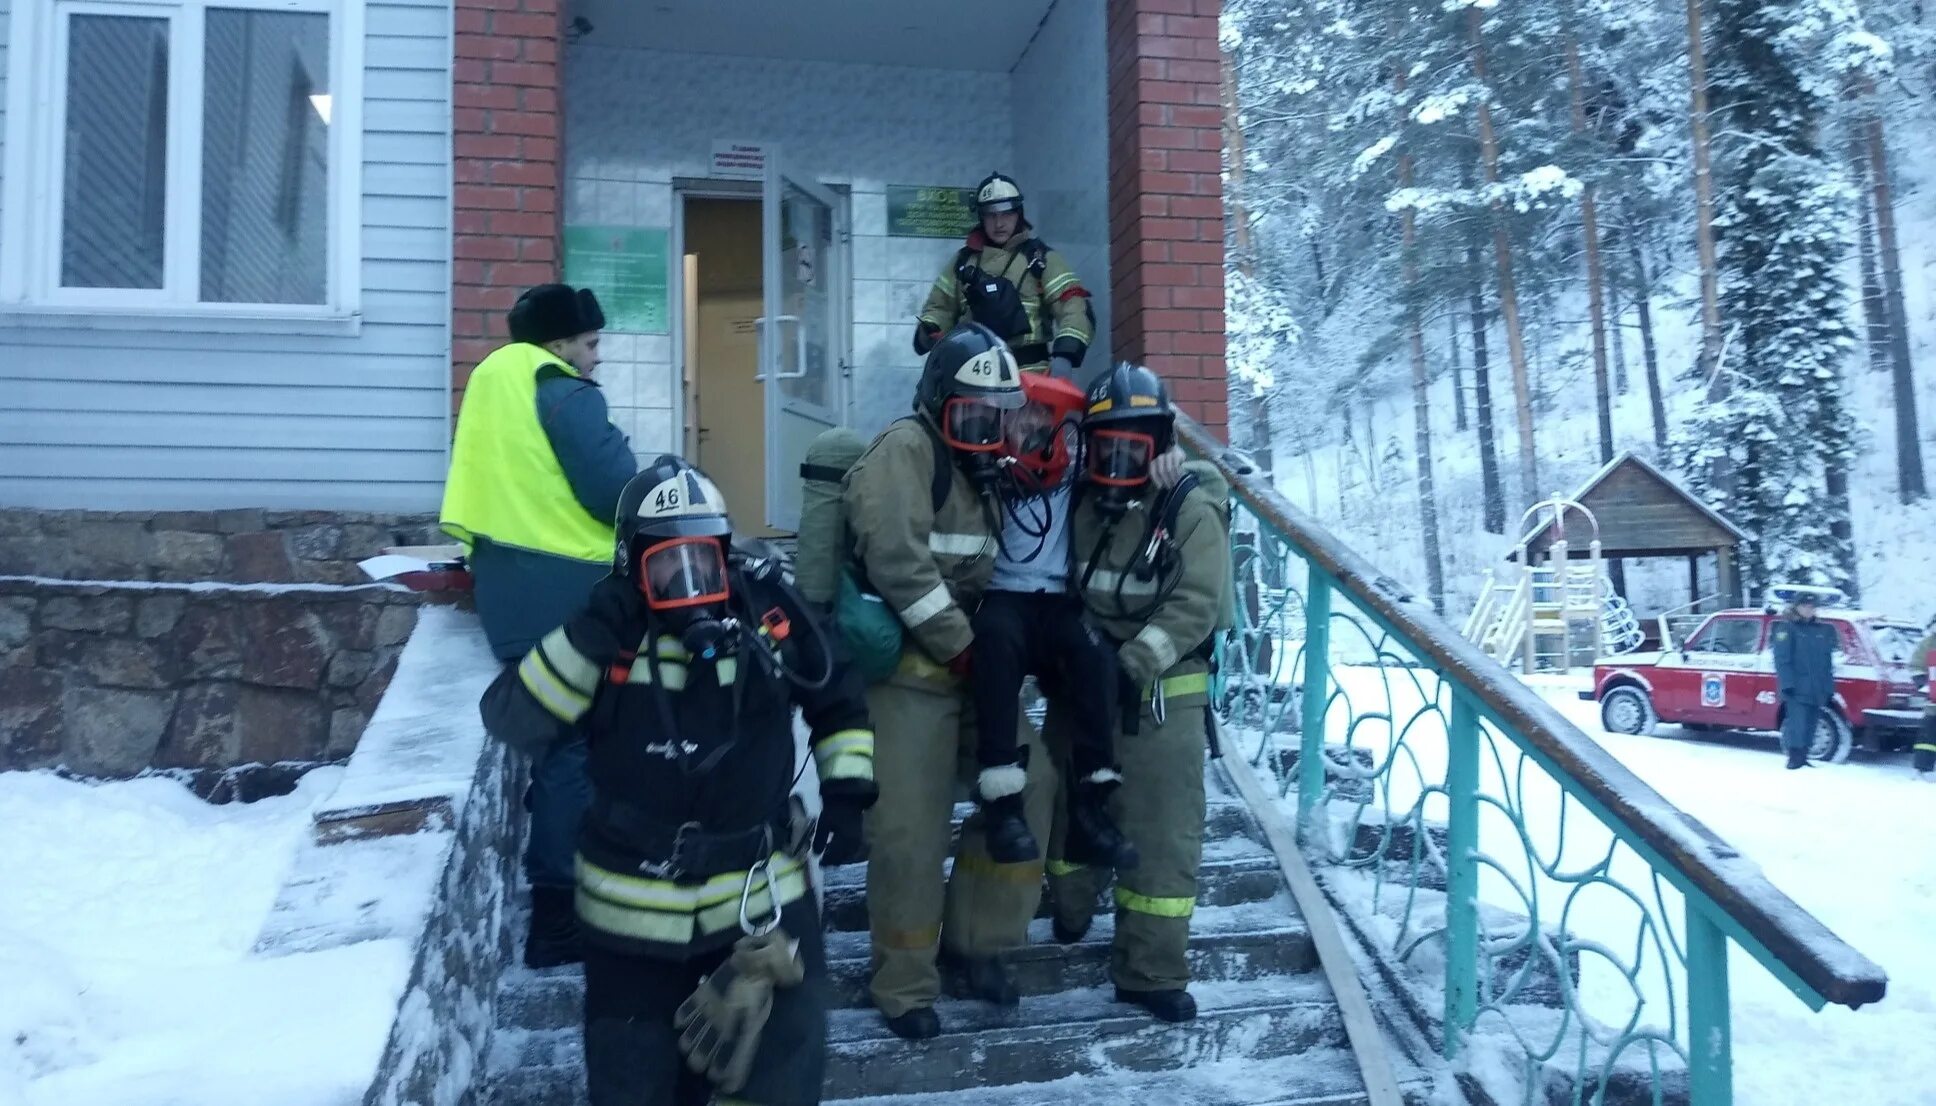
<point x="1167" y="469"/>
<point x="926" y="334"/>
<point x="1062" y="368"/>
<point x="962" y="664"/>
<point x="720" y="1023"/>
<point x="613" y="621"/>
<point x="840" y="834"/>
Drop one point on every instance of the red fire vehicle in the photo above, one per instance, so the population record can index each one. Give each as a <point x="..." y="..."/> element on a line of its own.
<point x="1722" y="677"/>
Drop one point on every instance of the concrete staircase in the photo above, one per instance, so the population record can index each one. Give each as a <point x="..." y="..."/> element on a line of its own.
<point x="1269" y="1032"/>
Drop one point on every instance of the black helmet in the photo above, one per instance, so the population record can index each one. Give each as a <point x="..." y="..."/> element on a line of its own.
<point x="970" y="378"/>
<point x="672" y="514"/>
<point x="1127" y="424"/>
<point x="997" y="192"/>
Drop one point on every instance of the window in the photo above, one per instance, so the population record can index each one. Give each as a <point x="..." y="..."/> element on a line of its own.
<point x="186" y="155"/>
<point x="1728" y="635"/>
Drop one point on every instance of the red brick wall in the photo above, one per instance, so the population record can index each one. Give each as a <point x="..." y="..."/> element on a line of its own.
<point x="1166" y="198"/>
<point x="506" y="127"/>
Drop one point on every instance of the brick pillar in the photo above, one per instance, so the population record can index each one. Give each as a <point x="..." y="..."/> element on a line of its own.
<point x="1166" y="198"/>
<point x="508" y="175"/>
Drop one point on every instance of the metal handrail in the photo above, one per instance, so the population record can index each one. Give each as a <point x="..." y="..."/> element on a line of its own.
<point x="1710" y="868"/>
<point x="1487" y="714"/>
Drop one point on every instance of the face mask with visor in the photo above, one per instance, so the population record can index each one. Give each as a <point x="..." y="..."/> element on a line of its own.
<point x="1119" y="458"/>
<point x="683" y="573"/>
<point x="972" y="425"/>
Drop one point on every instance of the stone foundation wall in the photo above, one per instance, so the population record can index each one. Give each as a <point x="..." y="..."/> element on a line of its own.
<point x="242" y="546"/>
<point x="112" y="679"/>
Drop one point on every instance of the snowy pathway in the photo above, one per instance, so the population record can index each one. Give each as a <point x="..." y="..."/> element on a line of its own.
<point x="127" y="912"/>
<point x="1852" y="843"/>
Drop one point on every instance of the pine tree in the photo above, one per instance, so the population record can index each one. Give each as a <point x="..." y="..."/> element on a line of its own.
<point x="1780" y="426"/>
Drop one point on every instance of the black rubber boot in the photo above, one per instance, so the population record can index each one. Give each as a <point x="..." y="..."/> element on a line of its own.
<point x="998" y="790"/>
<point x="978" y="977"/>
<point x="1068" y="935"/>
<point x="553" y="938"/>
<point x="1797" y="758"/>
<point x="1169" y="1006"/>
<point x="1094" y="839"/>
<point x="918" y="1024"/>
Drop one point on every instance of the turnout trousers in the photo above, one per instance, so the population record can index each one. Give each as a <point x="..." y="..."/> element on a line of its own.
<point x="1160" y="808"/>
<point x="924" y="745"/>
<point x="632" y="1053"/>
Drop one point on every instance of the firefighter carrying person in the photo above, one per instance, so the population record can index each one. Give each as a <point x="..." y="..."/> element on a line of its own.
<point x="704" y="966"/>
<point x="1804" y="649"/>
<point x="1152" y="566"/>
<point x="535" y="476"/>
<point x="1010" y="281"/>
<point x="930" y="566"/>
<point x="1031" y="623"/>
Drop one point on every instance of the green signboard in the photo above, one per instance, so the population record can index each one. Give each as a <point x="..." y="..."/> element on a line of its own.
<point x="922" y="211"/>
<point x="628" y="269"/>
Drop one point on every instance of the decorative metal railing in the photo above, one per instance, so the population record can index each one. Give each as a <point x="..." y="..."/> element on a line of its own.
<point x="1545" y="913"/>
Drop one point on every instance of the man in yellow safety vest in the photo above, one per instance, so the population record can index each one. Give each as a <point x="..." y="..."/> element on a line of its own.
<point x="535" y="476"/>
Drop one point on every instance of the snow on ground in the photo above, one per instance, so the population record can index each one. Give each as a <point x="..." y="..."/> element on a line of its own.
<point x="127" y="911"/>
<point x="1850" y="843"/>
<point x="1846" y="842"/>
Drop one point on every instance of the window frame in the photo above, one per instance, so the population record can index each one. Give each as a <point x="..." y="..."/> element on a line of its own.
<point x="32" y="191"/>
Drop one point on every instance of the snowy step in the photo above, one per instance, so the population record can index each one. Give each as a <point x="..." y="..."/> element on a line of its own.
<point x="1244" y="942"/>
<point x="1080" y="1032"/>
<point x="1076" y="1033"/>
<point x="1316" y="1077"/>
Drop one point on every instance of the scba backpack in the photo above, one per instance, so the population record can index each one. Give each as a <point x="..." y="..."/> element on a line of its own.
<point x="824" y="567"/>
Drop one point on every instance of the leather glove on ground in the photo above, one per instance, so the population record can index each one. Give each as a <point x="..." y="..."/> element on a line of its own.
<point x="840" y="835"/>
<point x="613" y="621"/>
<point x="720" y="1023"/>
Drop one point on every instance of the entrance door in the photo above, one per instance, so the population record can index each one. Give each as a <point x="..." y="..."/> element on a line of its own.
<point x="799" y="335"/>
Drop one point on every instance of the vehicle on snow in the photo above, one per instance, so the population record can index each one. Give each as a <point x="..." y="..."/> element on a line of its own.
<point x="1722" y="677"/>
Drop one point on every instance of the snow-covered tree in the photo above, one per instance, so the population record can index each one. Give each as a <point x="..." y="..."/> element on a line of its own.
<point x="1781" y="426"/>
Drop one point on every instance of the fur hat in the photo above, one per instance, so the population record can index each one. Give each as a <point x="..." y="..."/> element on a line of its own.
<point x="549" y="312"/>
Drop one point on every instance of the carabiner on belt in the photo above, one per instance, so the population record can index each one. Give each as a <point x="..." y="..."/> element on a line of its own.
<point x="1159" y="707"/>
<point x="763" y="870"/>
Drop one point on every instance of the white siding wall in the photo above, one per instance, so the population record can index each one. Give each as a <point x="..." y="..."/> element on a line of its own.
<point x="639" y="118"/>
<point x="1062" y="149"/>
<point x="134" y="419"/>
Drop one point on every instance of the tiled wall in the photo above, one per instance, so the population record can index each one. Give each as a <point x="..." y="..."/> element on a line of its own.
<point x="638" y="118"/>
<point x="1061" y="90"/>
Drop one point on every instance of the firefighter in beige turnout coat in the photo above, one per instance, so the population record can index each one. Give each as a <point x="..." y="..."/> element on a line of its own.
<point x="931" y="567"/>
<point x="1162" y="618"/>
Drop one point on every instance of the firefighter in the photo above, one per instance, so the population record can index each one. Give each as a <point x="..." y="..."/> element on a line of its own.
<point x="930" y="567"/>
<point x="1011" y="282"/>
<point x="1152" y="565"/>
<point x="704" y="967"/>
<point x="1804" y="648"/>
<point x="535" y="475"/>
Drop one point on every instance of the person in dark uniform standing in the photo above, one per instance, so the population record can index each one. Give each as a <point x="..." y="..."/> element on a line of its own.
<point x="704" y="968"/>
<point x="1011" y="282"/>
<point x="535" y="475"/>
<point x="1804" y="648"/>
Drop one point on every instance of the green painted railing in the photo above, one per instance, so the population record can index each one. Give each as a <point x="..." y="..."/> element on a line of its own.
<point x="1543" y="911"/>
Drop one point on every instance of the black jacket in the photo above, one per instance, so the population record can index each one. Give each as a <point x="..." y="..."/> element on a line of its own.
<point x="691" y="764"/>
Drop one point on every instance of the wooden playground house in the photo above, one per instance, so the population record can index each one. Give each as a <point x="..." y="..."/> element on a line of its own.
<point x="1559" y="602"/>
